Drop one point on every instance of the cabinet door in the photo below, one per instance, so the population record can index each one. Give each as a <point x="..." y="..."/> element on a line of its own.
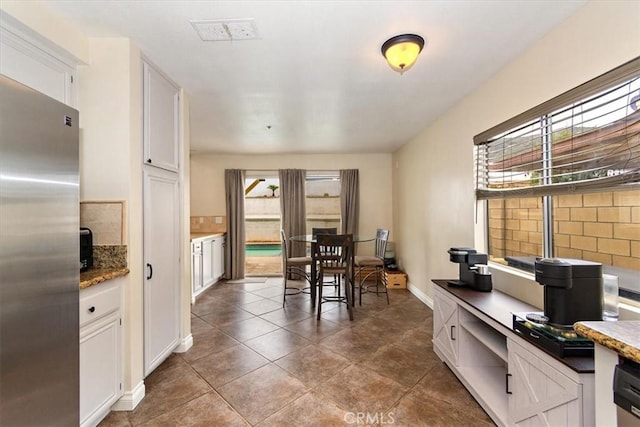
<point x="35" y="67"/>
<point x="218" y="258"/>
<point x="445" y="325"/>
<point x="100" y="368"/>
<point x="208" y="276"/>
<point x="162" y="266"/>
<point x="540" y="394"/>
<point x="196" y="267"/>
<point x="161" y="130"/>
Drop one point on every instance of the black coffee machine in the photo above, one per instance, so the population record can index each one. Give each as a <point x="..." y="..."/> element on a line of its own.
<point x="473" y="269"/>
<point x="572" y="289"/>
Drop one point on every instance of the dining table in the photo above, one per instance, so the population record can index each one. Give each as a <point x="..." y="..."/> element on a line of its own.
<point x="311" y="239"/>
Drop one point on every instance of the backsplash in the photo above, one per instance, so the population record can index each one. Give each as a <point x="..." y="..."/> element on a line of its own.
<point x="208" y="224"/>
<point x="109" y="256"/>
<point x="106" y="220"/>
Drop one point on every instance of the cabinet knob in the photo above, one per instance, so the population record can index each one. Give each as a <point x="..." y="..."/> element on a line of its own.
<point x="149" y="161"/>
<point x="92" y="309"/>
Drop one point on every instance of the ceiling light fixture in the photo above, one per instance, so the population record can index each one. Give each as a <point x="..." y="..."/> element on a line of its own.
<point x="402" y="51"/>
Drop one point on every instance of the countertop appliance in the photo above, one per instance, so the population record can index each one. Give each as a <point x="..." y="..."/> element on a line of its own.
<point x="86" y="249"/>
<point x="572" y="290"/>
<point x="559" y="340"/>
<point x="469" y="261"/>
<point x="626" y="393"/>
<point x="39" y="275"/>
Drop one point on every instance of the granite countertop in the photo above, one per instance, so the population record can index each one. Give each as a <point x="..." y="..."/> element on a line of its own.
<point x="94" y="276"/>
<point x="622" y="336"/>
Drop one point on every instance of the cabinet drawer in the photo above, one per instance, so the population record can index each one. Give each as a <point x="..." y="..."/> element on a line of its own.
<point x="98" y="303"/>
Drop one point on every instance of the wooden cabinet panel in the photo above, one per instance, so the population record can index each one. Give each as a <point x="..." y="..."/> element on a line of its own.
<point x="100" y="352"/>
<point x="541" y="395"/>
<point x="161" y="121"/>
<point x="445" y="325"/>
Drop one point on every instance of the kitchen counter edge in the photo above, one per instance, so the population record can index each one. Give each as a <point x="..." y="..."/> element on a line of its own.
<point x="621" y="336"/>
<point x="98" y="275"/>
<point x="202" y="236"/>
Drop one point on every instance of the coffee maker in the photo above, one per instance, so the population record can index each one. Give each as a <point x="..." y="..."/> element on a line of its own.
<point x="572" y="289"/>
<point x="473" y="269"/>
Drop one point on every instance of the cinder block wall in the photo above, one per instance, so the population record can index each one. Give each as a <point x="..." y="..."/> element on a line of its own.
<point x="601" y="227"/>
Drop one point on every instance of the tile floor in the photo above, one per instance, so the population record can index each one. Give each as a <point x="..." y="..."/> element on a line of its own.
<point x="255" y="363"/>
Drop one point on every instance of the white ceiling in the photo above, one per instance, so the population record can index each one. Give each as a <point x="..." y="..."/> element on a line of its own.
<point x="316" y="75"/>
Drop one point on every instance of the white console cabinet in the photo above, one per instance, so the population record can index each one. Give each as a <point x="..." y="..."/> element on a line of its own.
<point x="515" y="382"/>
<point x="100" y="350"/>
<point x="445" y="326"/>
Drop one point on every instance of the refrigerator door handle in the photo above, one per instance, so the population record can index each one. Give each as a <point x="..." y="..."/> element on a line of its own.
<point x="150" y="267"/>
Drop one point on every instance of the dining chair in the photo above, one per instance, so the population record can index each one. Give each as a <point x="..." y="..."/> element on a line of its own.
<point x="327" y="230"/>
<point x="294" y="267"/>
<point x="326" y="248"/>
<point x="373" y="266"/>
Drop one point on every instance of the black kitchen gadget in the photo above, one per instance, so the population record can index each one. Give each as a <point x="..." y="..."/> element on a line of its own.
<point x="560" y="341"/>
<point x="572" y="290"/>
<point x="86" y="249"/>
<point x="473" y="269"/>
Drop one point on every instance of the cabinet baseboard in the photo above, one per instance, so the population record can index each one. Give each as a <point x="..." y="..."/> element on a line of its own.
<point x="130" y="399"/>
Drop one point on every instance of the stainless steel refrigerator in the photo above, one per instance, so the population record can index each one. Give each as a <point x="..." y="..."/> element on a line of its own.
<point x="39" y="259"/>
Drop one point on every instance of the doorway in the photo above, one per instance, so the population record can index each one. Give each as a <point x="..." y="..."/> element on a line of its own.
<point x="263" y="256"/>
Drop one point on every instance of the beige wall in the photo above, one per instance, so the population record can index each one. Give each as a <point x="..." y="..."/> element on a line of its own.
<point x="207" y="181"/>
<point x="49" y="26"/>
<point x="109" y="100"/>
<point x="433" y="173"/>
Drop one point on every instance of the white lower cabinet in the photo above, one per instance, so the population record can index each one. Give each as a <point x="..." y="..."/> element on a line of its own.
<point x="541" y="394"/>
<point x="100" y="351"/>
<point x="516" y="383"/>
<point x="445" y="325"/>
<point x="207" y="266"/>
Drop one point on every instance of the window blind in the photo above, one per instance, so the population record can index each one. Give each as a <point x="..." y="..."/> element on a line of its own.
<point x="586" y="139"/>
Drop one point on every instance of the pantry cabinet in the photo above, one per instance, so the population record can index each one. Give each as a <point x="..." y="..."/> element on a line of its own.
<point x="161" y="121"/>
<point x="515" y="382"/>
<point x="100" y="350"/>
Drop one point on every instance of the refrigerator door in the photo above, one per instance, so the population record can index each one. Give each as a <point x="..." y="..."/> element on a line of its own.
<point x="39" y="259"/>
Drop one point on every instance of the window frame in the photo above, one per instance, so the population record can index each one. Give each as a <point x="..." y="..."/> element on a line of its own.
<point x="541" y="112"/>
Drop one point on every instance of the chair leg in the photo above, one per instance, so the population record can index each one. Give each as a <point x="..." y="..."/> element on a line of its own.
<point x="284" y="296"/>
<point x="348" y="281"/>
<point x="319" y="296"/>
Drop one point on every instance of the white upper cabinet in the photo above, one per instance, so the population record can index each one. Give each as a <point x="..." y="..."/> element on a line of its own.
<point x="33" y="65"/>
<point x="161" y="125"/>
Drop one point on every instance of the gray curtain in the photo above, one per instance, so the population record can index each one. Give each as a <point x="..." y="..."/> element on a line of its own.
<point x="292" y="207"/>
<point x="349" y="200"/>
<point x="234" y="194"/>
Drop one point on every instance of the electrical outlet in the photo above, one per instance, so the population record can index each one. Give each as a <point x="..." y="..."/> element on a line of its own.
<point x="201" y="220"/>
<point x="218" y="220"/>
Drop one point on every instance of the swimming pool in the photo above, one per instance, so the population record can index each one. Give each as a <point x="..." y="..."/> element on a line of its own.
<point x="262" y="250"/>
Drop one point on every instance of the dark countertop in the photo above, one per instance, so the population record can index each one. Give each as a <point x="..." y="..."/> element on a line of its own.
<point x="622" y="336"/>
<point x="94" y="276"/>
<point x="500" y="306"/>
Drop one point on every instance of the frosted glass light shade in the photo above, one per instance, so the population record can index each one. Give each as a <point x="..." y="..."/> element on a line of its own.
<point x="402" y="51"/>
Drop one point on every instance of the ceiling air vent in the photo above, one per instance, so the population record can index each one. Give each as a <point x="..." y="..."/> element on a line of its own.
<point x="226" y="30"/>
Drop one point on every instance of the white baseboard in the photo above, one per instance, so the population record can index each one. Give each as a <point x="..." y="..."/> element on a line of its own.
<point x="421" y="296"/>
<point x="130" y="399"/>
<point x="185" y="344"/>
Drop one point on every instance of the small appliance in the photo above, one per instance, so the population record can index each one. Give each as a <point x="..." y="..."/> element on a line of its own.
<point x="86" y="249"/>
<point x="473" y="269"/>
<point x="572" y="290"/>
